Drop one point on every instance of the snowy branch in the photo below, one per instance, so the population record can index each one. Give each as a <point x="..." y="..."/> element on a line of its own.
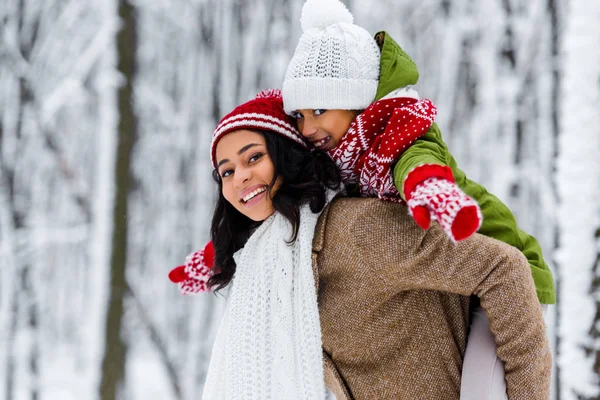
<point x="159" y="342"/>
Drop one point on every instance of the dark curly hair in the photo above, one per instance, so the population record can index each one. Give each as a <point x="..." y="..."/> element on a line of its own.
<point x="305" y="176"/>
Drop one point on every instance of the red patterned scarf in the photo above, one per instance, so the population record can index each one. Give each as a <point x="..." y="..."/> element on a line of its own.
<point x="376" y="139"/>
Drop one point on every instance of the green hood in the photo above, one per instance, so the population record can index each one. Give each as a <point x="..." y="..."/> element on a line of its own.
<point x="396" y="68"/>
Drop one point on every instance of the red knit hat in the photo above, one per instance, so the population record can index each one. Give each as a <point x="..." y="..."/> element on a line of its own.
<point x="265" y="113"/>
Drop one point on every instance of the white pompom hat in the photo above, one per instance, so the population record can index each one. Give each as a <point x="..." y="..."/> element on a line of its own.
<point x="336" y="63"/>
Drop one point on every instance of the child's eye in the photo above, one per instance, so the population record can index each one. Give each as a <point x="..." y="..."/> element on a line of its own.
<point x="297" y="115"/>
<point x="255" y="157"/>
<point x="319" y="111"/>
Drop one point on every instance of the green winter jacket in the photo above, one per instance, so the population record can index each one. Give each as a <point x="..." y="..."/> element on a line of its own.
<point x="398" y="70"/>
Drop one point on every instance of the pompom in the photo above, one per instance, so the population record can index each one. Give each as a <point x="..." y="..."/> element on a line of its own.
<point x="322" y="13"/>
<point x="269" y="94"/>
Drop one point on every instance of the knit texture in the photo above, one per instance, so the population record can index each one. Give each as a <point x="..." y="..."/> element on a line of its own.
<point x="269" y="342"/>
<point x="393" y="302"/>
<point x="264" y="113"/>
<point x="193" y="276"/>
<point x="442" y="200"/>
<point x="336" y="63"/>
<point x="376" y="139"/>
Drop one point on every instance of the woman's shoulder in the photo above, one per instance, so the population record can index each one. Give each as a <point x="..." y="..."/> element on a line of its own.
<point x="361" y="210"/>
<point x="354" y="216"/>
<point x="364" y="221"/>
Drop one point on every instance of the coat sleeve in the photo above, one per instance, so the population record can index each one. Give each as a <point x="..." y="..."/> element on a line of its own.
<point x="498" y="221"/>
<point x="412" y="259"/>
<point x="428" y="149"/>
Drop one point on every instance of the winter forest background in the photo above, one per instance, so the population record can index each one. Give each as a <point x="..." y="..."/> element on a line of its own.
<point x="106" y="113"/>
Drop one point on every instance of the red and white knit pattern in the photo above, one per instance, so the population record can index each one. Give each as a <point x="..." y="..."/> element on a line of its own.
<point x="199" y="271"/>
<point x="193" y="286"/>
<point x="376" y="139"/>
<point x="256" y="121"/>
<point x="193" y="276"/>
<point x="444" y="200"/>
<point x="264" y="112"/>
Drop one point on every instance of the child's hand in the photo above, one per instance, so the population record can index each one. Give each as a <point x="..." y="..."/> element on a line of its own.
<point x="193" y="276"/>
<point x="443" y="201"/>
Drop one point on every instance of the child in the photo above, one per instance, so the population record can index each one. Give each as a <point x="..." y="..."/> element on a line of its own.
<point x="339" y="70"/>
<point x="330" y="86"/>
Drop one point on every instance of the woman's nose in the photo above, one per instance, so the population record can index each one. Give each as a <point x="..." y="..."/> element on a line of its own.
<point x="242" y="175"/>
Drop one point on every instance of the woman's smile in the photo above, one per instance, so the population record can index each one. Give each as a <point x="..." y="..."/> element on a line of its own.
<point x="253" y="195"/>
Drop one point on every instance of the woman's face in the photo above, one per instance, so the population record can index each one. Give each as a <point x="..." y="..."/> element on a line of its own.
<point x="246" y="171"/>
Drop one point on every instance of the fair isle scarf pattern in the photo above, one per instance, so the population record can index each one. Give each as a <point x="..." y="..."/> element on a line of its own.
<point x="376" y="139"/>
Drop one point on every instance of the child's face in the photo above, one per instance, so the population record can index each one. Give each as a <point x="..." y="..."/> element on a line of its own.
<point x="246" y="172"/>
<point x="324" y="128"/>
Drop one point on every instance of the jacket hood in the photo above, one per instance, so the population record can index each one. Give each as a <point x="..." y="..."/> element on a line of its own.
<point x="396" y="68"/>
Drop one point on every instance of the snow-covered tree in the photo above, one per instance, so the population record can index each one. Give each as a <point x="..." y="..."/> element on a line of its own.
<point x="578" y="183"/>
<point x="53" y="112"/>
<point x="86" y="310"/>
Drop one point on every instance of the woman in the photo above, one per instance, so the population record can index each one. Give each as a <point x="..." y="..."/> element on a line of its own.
<point x="392" y="313"/>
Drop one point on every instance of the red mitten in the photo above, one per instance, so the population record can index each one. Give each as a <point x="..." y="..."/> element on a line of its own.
<point x="442" y="200"/>
<point x="421" y="216"/>
<point x="193" y="276"/>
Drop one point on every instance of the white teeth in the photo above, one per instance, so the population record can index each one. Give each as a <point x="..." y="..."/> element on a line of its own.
<point x="251" y="195"/>
<point x="320" y="143"/>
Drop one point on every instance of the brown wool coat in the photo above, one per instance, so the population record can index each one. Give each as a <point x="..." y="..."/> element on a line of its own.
<point x="393" y="302"/>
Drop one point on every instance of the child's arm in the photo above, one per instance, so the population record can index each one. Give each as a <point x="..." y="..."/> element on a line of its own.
<point x="424" y="179"/>
<point x="498" y="221"/>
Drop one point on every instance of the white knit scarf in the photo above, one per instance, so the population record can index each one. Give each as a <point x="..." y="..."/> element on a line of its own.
<point x="269" y="343"/>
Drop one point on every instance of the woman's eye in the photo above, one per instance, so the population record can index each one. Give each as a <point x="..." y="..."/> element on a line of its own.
<point x="255" y="157"/>
<point x="319" y="111"/>
<point x="297" y="115"/>
<point x="226" y="173"/>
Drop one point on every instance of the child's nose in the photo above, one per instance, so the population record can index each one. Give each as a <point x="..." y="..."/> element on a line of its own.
<point x="308" y="129"/>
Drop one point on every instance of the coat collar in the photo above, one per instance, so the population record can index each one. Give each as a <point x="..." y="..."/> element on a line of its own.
<point x="318" y="242"/>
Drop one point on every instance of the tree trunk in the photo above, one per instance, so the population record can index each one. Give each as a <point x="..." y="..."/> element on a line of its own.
<point x="593" y="348"/>
<point x="113" y="365"/>
<point x="555" y="26"/>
